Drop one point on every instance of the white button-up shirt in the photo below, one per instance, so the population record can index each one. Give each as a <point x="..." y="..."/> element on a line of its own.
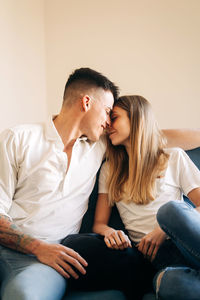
<point x="36" y="190"/>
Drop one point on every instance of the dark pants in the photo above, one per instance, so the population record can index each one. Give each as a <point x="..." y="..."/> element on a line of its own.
<point x="124" y="270"/>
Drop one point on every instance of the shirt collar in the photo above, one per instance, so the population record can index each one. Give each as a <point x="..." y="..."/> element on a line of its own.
<point x="50" y="130"/>
<point x="51" y="133"/>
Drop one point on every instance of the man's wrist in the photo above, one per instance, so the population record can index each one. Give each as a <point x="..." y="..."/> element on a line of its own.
<point x="35" y="246"/>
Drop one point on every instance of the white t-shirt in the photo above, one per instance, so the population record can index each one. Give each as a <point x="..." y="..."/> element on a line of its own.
<point x="35" y="190"/>
<point x="180" y="177"/>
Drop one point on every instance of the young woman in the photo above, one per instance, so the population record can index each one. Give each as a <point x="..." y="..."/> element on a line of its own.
<point x="140" y="176"/>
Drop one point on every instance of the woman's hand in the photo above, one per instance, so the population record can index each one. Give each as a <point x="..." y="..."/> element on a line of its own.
<point x="151" y="242"/>
<point x="116" y="239"/>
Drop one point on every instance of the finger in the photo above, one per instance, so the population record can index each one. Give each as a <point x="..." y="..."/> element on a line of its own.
<point x="108" y="244"/>
<point x="74" y="262"/>
<point x="75" y="255"/>
<point x="146" y="246"/>
<point x="150" y="250"/>
<point x="123" y="239"/>
<point x="117" y="239"/>
<point x="129" y="243"/>
<point x="113" y="242"/>
<point x="67" y="268"/>
<point x="154" y="252"/>
<point x="61" y="271"/>
<point x="141" y="245"/>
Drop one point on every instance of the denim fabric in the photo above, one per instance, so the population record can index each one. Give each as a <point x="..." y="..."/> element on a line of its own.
<point x="24" y="278"/>
<point x="181" y="222"/>
<point x="168" y="255"/>
<point x="181" y="281"/>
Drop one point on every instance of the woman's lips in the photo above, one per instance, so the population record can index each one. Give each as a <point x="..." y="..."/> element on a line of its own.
<point x="111" y="133"/>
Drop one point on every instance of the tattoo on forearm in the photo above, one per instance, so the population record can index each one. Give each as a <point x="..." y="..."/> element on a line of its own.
<point x="12" y="237"/>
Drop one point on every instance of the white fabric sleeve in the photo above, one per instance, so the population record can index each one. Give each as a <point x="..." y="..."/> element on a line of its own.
<point x="102" y="179"/>
<point x="8" y="170"/>
<point x="189" y="174"/>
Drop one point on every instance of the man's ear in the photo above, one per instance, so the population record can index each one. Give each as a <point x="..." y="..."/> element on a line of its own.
<point x="86" y="103"/>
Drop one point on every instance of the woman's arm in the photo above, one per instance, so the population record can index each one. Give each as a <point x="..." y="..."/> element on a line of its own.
<point x="194" y="196"/>
<point x="184" y="138"/>
<point x="151" y="242"/>
<point x="102" y="215"/>
<point x="115" y="239"/>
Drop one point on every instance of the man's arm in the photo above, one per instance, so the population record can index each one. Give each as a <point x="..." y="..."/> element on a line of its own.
<point x="184" y="138"/>
<point x="56" y="256"/>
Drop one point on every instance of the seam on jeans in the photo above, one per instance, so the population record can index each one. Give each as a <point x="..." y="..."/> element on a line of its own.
<point x="178" y="240"/>
<point x="5" y="261"/>
<point x="163" y="272"/>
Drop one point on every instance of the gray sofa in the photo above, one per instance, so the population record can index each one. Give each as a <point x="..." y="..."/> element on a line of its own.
<point x="115" y="221"/>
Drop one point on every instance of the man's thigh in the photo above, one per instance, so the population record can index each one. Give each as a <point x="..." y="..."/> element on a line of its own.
<point x="25" y="278"/>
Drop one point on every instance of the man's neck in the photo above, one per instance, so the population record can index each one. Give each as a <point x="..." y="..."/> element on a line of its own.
<point x="67" y="126"/>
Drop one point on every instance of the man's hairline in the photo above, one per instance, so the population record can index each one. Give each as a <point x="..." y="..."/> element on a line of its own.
<point x="91" y="91"/>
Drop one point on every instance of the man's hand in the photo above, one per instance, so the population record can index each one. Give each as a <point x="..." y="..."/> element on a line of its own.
<point x="61" y="258"/>
<point x="57" y="256"/>
<point x="116" y="239"/>
<point x="151" y="242"/>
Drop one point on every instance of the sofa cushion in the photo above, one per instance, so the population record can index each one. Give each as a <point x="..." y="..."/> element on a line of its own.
<point x="99" y="295"/>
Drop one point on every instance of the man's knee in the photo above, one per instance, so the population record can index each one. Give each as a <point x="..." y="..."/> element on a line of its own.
<point x="36" y="282"/>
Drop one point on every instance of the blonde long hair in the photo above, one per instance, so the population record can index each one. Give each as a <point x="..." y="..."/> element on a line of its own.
<point x="132" y="177"/>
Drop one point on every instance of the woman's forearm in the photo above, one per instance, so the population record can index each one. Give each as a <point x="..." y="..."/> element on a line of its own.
<point x="102" y="229"/>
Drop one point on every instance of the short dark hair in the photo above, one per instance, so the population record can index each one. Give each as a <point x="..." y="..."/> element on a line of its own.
<point x="91" y="77"/>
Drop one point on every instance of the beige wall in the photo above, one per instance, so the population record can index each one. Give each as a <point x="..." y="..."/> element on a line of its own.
<point x="22" y="62"/>
<point x="148" y="47"/>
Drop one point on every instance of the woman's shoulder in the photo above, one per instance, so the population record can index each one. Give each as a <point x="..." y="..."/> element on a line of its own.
<point x="176" y="154"/>
<point x="174" y="151"/>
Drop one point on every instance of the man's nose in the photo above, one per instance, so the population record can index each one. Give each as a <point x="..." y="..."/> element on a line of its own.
<point x="108" y="122"/>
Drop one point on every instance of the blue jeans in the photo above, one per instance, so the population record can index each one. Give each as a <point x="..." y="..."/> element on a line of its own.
<point x="181" y="280"/>
<point x="25" y="278"/>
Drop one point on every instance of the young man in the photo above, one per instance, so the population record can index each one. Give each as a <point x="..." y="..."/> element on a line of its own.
<point x="47" y="172"/>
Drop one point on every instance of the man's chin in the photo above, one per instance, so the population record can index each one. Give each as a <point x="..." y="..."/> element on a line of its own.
<point x="94" y="139"/>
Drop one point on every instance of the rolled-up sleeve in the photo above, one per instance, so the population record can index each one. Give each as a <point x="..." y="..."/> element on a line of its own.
<point x="8" y="170"/>
<point x="189" y="174"/>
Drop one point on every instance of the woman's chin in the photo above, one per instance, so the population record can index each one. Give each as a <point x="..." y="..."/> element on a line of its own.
<point x="114" y="143"/>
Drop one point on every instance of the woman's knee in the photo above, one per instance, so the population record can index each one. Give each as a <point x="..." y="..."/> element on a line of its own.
<point x="169" y="213"/>
<point x="174" y="283"/>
